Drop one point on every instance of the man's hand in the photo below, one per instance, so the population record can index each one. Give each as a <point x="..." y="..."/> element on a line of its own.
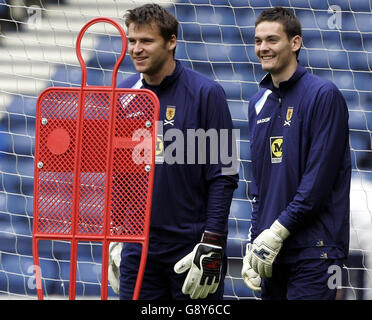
<point x="251" y="278"/>
<point x="114" y="265"/>
<point x="266" y="247"/>
<point x="204" y="264"/>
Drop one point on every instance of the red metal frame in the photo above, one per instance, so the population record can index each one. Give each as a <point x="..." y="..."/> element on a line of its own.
<point x="90" y="183"/>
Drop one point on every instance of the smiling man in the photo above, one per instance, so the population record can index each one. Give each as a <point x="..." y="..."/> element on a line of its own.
<point x="191" y="201"/>
<point x="298" y="126"/>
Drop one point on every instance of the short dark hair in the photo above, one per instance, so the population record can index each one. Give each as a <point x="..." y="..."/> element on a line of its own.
<point x="291" y="24"/>
<point x="153" y="13"/>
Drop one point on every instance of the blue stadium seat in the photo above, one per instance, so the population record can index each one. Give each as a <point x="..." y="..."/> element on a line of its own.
<point x="318" y="4"/>
<point x="338" y="59"/>
<point x="190" y="32"/>
<point x="196" y="51"/>
<point x="11" y="183"/>
<point x="88" y="272"/>
<point x="312" y="39"/>
<point x="249" y="89"/>
<point x="363" y="80"/>
<point x="27" y="186"/>
<point x="223" y="71"/>
<point x="360" y="6"/>
<point x="181" y="52"/>
<point x="127" y="64"/>
<point x="245" y="153"/>
<point x="225" y="15"/>
<point x="344" y="79"/>
<point x="359" y="61"/>
<point x="204" y="68"/>
<point x="352" y="98"/>
<point x="238" y="110"/>
<point x="352" y="41"/>
<point x="358" y="120"/>
<point x="107" y="52"/>
<point x="367" y="42"/>
<point x="25" y="165"/>
<point x="21" y="226"/>
<point x="206" y="14"/>
<point x="234" y="247"/>
<point x="364" y="21"/>
<point x="22" y="104"/>
<point x="17" y="203"/>
<point x="331" y="39"/>
<point x="24" y="243"/>
<point x="343" y="4"/>
<point x="6" y="140"/>
<point x="218" y="52"/>
<point x="240" y="192"/>
<point x="250" y="53"/>
<point x="64" y="76"/>
<point x="185" y="13"/>
<point x="349" y="22"/>
<point x="211" y="33"/>
<point x="241" y="209"/>
<point x="22" y="145"/>
<point x="232" y="35"/>
<point x="360" y="140"/>
<point x="323" y="73"/>
<point x="199" y="1"/>
<point x="245" y="172"/>
<point x="368" y="116"/>
<point x="317" y="58"/>
<point x="238" y="54"/>
<point x="232" y="89"/>
<point x="19" y="123"/>
<point x="245" y="17"/>
<point x="8" y="163"/>
<point x="235" y="287"/>
<point x="260" y="3"/>
<point x="247" y="35"/>
<point x="306" y="17"/>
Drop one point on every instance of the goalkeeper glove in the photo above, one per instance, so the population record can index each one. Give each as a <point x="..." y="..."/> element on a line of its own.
<point x="266" y="247"/>
<point x="204" y="264"/>
<point x="114" y="265"/>
<point x="251" y="278"/>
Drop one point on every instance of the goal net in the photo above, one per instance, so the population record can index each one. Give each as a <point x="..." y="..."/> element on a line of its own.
<point x="37" y="50"/>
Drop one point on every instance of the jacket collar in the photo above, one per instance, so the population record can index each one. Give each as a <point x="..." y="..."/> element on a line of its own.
<point x="267" y="82"/>
<point x="168" y="80"/>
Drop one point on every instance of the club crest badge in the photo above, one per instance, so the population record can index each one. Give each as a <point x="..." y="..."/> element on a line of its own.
<point x="169" y="115"/>
<point x="288" y="117"/>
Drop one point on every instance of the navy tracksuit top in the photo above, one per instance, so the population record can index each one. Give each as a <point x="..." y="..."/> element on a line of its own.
<point x="188" y="198"/>
<point x="301" y="166"/>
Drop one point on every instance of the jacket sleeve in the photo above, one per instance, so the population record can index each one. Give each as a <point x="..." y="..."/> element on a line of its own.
<point x="221" y="173"/>
<point x="252" y="189"/>
<point x="328" y="141"/>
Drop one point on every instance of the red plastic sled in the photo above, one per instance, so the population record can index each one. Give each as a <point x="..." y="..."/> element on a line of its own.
<point x="94" y="167"/>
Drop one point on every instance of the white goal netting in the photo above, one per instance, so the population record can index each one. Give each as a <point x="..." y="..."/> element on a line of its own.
<point x="37" y="50"/>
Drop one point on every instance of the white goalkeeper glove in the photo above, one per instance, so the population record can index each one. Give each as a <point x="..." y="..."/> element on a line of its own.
<point x="266" y="247"/>
<point x="204" y="264"/>
<point x="114" y="265"/>
<point x="251" y="278"/>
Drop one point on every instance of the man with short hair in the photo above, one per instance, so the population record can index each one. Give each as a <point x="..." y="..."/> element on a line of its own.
<point x="192" y="194"/>
<point x="301" y="170"/>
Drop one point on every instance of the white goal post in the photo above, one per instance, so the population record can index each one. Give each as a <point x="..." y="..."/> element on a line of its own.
<point x="37" y="50"/>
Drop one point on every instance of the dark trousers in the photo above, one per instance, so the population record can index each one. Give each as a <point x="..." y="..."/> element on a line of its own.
<point x="160" y="282"/>
<point x="303" y="280"/>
